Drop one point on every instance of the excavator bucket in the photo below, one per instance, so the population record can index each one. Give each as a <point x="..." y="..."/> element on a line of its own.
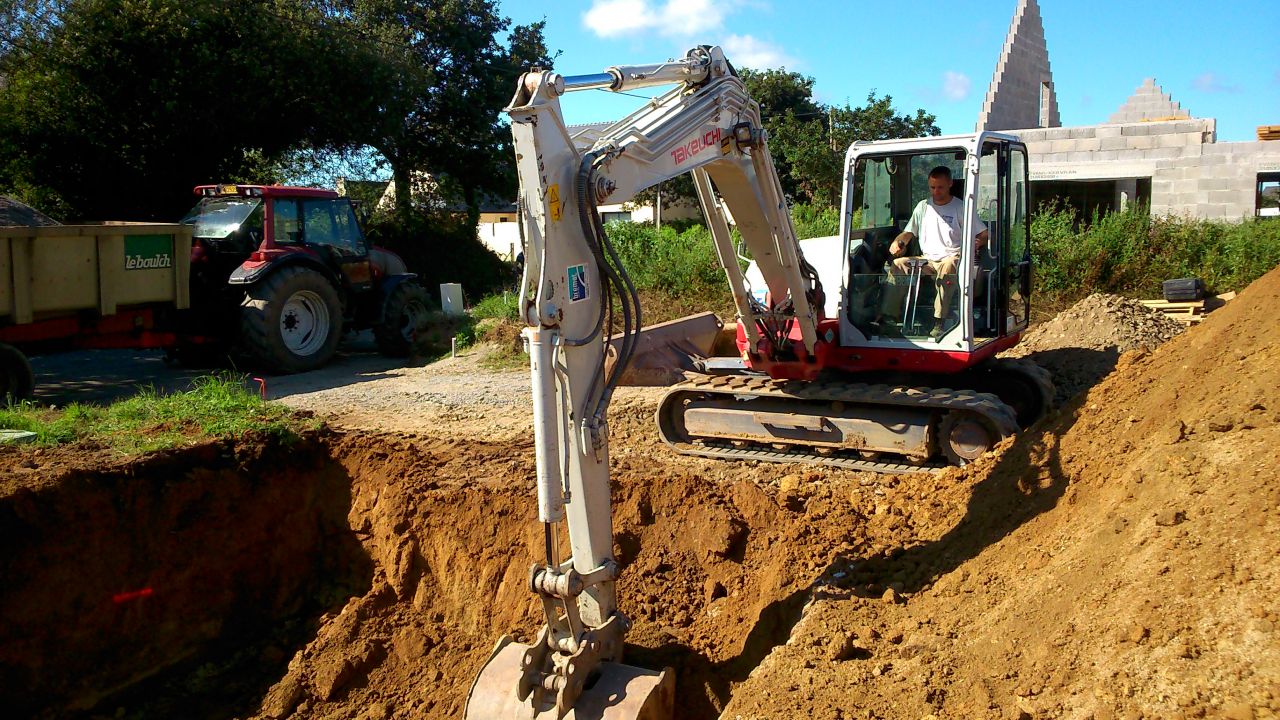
<point x="621" y="692"/>
<point x="664" y="352"/>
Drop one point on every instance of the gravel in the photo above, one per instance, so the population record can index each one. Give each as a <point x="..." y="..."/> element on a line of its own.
<point x="1081" y="345"/>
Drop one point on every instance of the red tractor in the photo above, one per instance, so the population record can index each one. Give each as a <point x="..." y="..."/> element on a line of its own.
<point x="281" y="272"/>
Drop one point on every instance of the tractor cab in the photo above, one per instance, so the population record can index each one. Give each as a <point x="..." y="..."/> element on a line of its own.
<point x="258" y="226"/>
<point x="977" y="299"/>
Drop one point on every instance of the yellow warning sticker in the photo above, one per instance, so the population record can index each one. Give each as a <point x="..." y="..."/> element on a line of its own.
<point x="553" y="201"/>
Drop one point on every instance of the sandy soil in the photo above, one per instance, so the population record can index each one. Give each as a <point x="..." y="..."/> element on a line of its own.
<point x="1117" y="560"/>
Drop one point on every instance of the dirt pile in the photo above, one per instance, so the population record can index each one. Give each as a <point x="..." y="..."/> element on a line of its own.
<point x="1081" y="345"/>
<point x="1119" y="563"/>
<point x="1103" y="321"/>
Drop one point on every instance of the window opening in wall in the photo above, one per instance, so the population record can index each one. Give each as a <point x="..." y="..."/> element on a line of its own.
<point x="1268" y="202"/>
<point x="1090" y="198"/>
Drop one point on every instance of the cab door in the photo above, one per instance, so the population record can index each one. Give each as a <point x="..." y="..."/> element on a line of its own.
<point x="329" y="226"/>
<point x="1017" y="250"/>
<point x="1002" y="269"/>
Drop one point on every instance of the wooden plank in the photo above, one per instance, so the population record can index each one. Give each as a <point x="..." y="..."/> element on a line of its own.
<point x="1166" y="305"/>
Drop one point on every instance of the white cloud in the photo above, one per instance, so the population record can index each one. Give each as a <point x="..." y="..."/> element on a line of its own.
<point x="1213" y="83"/>
<point x="673" y="18"/>
<point x="618" y="17"/>
<point x="955" y="86"/>
<point x="752" y="52"/>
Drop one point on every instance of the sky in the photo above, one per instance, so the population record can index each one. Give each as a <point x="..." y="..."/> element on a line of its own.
<point x="1221" y="63"/>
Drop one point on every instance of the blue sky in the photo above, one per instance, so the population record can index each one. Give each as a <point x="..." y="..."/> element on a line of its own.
<point x="1222" y="62"/>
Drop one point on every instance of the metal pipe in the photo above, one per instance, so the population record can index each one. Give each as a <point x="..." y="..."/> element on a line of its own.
<point x="593" y="81"/>
<point x="668" y="73"/>
<point x="542" y="342"/>
<point x="633" y="77"/>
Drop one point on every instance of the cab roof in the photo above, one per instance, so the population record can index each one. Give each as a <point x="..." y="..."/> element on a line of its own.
<point x="224" y="189"/>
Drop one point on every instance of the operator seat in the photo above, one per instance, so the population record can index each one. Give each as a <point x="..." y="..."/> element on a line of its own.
<point x="866" y="265"/>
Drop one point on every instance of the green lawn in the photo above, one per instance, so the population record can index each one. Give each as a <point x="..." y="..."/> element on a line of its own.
<point x="216" y="406"/>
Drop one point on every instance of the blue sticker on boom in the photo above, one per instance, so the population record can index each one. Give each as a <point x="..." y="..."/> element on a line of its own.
<point x="578" y="289"/>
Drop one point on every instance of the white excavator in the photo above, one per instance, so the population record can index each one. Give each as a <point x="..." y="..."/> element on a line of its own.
<point x="867" y="381"/>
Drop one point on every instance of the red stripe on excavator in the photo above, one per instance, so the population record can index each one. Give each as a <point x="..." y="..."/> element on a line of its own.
<point x="856" y="359"/>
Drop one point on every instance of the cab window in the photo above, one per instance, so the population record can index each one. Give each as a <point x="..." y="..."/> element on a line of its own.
<point x="287" y="230"/>
<point x="332" y="223"/>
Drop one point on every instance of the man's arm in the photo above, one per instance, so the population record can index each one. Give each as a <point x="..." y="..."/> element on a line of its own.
<point x="901" y="243"/>
<point x="982" y="239"/>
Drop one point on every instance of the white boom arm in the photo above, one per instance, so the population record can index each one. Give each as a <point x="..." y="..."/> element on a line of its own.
<point x="706" y="125"/>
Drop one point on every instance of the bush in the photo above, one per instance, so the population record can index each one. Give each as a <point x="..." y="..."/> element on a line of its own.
<point x="499" y="306"/>
<point x="812" y="221"/>
<point x="1132" y="253"/>
<point x="662" y="259"/>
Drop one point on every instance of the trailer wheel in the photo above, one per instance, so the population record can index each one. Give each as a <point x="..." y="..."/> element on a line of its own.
<point x="292" y="321"/>
<point x="403" y="312"/>
<point x="17" y="381"/>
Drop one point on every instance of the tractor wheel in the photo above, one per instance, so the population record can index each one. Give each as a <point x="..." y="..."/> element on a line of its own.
<point x="403" y="311"/>
<point x="17" y="381"/>
<point x="292" y="321"/>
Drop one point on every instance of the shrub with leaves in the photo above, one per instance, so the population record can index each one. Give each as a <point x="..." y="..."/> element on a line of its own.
<point x="1132" y="253"/>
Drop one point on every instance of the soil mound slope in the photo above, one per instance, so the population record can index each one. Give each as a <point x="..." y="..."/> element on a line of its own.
<point x="1118" y="560"/>
<point x="1081" y="345"/>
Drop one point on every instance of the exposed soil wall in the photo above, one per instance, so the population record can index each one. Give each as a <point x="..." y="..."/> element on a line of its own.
<point x="716" y="558"/>
<point x="115" y="571"/>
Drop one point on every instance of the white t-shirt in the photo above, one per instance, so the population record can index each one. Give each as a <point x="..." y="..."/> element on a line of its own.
<point x="939" y="226"/>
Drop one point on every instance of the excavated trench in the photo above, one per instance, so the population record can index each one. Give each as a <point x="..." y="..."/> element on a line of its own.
<point x="368" y="576"/>
<point x="198" y="570"/>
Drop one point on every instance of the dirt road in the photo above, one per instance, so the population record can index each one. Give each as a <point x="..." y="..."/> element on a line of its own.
<point x="359" y="389"/>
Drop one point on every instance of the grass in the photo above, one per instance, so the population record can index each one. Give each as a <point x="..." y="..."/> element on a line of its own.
<point x="216" y="406"/>
<point x="505" y="358"/>
<point x="500" y="306"/>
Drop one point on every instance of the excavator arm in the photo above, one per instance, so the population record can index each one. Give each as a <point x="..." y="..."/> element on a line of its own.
<point x="575" y="294"/>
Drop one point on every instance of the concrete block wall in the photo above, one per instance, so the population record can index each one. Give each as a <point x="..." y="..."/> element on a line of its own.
<point x="1149" y="102"/>
<point x="1146" y="141"/>
<point x="1191" y="173"/>
<point x="1014" y="96"/>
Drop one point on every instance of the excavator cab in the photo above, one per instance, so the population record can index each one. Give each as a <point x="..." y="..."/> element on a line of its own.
<point x="912" y="307"/>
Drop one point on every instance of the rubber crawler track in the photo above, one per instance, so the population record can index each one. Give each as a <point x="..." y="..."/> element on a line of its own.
<point x="1000" y="415"/>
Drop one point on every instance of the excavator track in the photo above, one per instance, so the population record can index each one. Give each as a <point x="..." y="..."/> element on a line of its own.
<point x="918" y="409"/>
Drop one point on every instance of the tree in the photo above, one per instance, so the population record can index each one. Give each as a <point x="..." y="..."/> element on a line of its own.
<point x="780" y="92"/>
<point x="792" y="119"/>
<point x="781" y="95"/>
<point x="814" y="151"/>
<point x="441" y="102"/>
<point x="119" y="107"/>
